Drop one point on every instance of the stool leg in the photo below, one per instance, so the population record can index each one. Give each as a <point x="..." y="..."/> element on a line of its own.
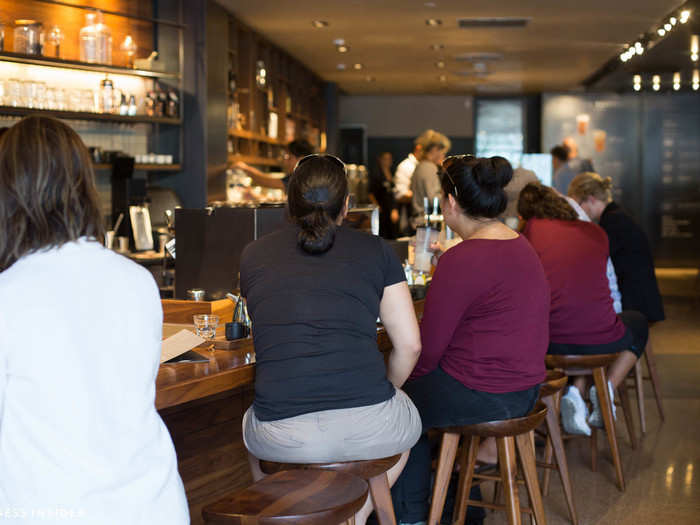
<point x="655" y="381"/>
<point x="509" y="469"/>
<point x="448" y="452"/>
<point x="381" y="498"/>
<point x="601" y="384"/>
<point x="557" y="444"/>
<point x="623" y="394"/>
<point x="466" y="474"/>
<point x="527" y="460"/>
<point x="639" y="386"/>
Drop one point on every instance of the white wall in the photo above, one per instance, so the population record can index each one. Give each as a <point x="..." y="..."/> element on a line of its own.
<point x="408" y="116"/>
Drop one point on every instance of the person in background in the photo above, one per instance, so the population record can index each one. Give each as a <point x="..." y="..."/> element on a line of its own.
<point x="629" y="246"/>
<point x="471" y="369"/>
<point x="80" y="436"/>
<point x="381" y="187"/>
<point x="574" y="255"/>
<point x="403" y="176"/>
<point x="521" y="178"/>
<point x="577" y="164"/>
<point x="425" y="182"/>
<point x="296" y="150"/>
<point x="314" y="291"/>
<point x="562" y="174"/>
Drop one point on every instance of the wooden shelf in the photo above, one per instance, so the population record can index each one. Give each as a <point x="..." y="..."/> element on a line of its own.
<point x="245" y="134"/>
<point x="144" y="167"/>
<point x="84" y="115"/>
<point x="115" y="13"/>
<point x="82" y="66"/>
<point x="250" y="159"/>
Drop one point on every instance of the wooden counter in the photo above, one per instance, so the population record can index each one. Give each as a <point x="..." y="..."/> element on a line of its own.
<point x="202" y="405"/>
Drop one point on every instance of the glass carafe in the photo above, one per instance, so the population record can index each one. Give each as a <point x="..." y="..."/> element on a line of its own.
<point x="88" y="39"/>
<point x="104" y="40"/>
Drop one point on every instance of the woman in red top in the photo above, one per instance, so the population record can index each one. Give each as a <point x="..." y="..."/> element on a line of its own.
<point x="574" y="255"/>
<point x="485" y="325"/>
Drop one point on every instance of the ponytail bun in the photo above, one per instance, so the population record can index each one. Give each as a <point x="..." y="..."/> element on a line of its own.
<point x="316" y="197"/>
<point x="606" y="183"/>
<point x="317" y="231"/>
<point x="493" y="173"/>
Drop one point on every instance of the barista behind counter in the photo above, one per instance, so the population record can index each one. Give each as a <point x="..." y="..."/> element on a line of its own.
<point x="296" y="150"/>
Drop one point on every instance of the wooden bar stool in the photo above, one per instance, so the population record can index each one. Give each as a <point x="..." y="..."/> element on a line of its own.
<point x="550" y="394"/>
<point x="373" y="471"/>
<point x="292" y="498"/>
<point x="595" y="365"/>
<point x="653" y="377"/>
<point x="510" y="434"/>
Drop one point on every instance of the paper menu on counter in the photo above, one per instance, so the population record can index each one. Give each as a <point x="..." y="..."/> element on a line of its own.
<point x="178" y="341"/>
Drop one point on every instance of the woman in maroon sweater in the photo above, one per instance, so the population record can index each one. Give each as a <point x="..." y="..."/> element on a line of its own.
<point x="574" y="255"/>
<point x="484" y="331"/>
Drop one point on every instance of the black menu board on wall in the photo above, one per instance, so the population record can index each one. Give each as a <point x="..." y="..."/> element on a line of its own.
<point x="671" y="175"/>
<point x="606" y="129"/>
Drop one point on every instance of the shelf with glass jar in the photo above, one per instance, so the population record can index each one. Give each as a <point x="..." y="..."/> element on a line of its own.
<point x="86" y="115"/>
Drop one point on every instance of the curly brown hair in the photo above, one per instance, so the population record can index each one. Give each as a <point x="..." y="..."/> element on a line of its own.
<point x="542" y="202"/>
<point x="48" y="195"/>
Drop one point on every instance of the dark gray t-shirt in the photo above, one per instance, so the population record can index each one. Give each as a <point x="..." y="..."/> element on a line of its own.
<point x="314" y="322"/>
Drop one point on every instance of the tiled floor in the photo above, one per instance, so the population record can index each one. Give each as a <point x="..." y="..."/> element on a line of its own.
<point x="663" y="474"/>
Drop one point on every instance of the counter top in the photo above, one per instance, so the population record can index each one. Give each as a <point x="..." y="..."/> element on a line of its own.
<point x="179" y="383"/>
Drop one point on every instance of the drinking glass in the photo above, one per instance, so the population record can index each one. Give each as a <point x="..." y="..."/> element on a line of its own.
<point x="205" y="325"/>
<point x="424" y="238"/>
<point x="13" y="95"/>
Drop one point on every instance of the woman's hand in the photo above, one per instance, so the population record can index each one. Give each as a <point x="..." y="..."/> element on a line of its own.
<point x="437" y="250"/>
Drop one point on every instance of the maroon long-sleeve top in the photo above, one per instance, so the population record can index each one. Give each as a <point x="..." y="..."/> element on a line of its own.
<point x="486" y="316"/>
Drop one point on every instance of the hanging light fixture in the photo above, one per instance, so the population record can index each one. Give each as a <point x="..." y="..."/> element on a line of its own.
<point x="637" y="82"/>
<point x="676" y="81"/>
<point x="696" y="79"/>
<point x="685" y="16"/>
<point x="656" y="82"/>
<point x="694" y="47"/>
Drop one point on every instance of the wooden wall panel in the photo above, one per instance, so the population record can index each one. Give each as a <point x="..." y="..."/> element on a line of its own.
<point x="71" y="20"/>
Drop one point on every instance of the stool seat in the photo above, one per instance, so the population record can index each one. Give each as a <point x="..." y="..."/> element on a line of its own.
<point x="300" y="497"/>
<point x="553" y="383"/>
<point x="583" y="362"/>
<point x="365" y="469"/>
<point x="503" y="428"/>
<point x="371" y="470"/>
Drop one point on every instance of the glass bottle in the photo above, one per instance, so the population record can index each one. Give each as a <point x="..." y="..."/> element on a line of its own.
<point x="106" y="96"/>
<point x="88" y="39"/>
<point x="104" y="40"/>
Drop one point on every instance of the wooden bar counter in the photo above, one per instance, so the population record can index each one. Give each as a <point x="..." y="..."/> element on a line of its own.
<point x="202" y="405"/>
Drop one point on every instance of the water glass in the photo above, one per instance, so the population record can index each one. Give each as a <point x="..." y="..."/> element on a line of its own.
<point x="424" y="238"/>
<point x="205" y="325"/>
<point x="13" y="93"/>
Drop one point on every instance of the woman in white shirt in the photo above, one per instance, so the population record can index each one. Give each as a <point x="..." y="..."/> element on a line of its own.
<point x="80" y="335"/>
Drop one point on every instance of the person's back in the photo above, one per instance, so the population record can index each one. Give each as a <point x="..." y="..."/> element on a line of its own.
<point x="574" y="256"/>
<point x="315" y="322"/>
<point x="81" y="335"/>
<point x="521" y="178"/>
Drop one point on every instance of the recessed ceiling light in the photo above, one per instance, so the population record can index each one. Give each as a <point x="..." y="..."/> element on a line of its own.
<point x="433" y="22"/>
<point x="429" y="4"/>
<point x="437" y="47"/>
<point x="318" y="24"/>
<point x="442" y="78"/>
<point x="357" y="66"/>
<point x="339" y="42"/>
<point x="370" y="78"/>
<point x="440" y="64"/>
<point x="343" y="49"/>
<point x="341" y="67"/>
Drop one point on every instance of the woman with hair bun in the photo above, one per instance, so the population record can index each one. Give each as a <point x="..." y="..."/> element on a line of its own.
<point x="629" y="246"/>
<point x="315" y="290"/>
<point x="485" y="325"/>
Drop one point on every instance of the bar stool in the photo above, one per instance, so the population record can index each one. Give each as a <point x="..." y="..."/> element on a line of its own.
<point x="653" y="377"/>
<point x="595" y="365"/>
<point x="373" y="471"/>
<point x="550" y="395"/>
<point x="292" y="498"/>
<point x="510" y="434"/>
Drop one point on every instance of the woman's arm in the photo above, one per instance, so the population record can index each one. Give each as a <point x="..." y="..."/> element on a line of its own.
<point x="399" y="319"/>
<point x="260" y="178"/>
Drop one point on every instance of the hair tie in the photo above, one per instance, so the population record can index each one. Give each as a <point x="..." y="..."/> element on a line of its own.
<point x="317" y="195"/>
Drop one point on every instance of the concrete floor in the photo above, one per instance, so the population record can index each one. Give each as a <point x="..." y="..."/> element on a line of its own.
<point x="663" y="474"/>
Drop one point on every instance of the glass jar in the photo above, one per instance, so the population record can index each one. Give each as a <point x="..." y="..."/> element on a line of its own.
<point x="27" y="37"/>
<point x="104" y="40"/>
<point x="95" y="40"/>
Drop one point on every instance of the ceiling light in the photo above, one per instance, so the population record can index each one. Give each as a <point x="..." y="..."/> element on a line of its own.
<point x="339" y="42"/>
<point x="696" y="79"/>
<point x="440" y="64"/>
<point x="443" y="78"/>
<point x="357" y="66"/>
<point x="433" y="22"/>
<point x="370" y="78"/>
<point x="673" y="20"/>
<point x="661" y="31"/>
<point x="429" y="4"/>
<point x="694" y="47"/>
<point x="437" y="47"/>
<point x="318" y="24"/>
<point x="668" y="26"/>
<point x="685" y="16"/>
<point x="656" y="82"/>
<point x="341" y="67"/>
<point x="342" y="49"/>
<point x="676" y="81"/>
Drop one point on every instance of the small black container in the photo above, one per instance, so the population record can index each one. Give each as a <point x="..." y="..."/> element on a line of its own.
<point x="236" y="331"/>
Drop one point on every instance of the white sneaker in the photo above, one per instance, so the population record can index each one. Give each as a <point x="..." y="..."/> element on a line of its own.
<point x="574" y="412"/>
<point x="596" y="418"/>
